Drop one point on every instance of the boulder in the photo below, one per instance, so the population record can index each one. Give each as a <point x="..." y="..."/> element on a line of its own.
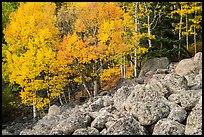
<point x="93" y="114"/>
<point x="154" y="64"/>
<point x="5" y="132"/>
<point x="53" y="110"/>
<point x="194" y="120"/>
<point x="120" y="96"/>
<point x="156" y="85"/>
<point x="103" y="132"/>
<point x="146" y="104"/>
<point x="56" y="132"/>
<point x="43" y="126"/>
<point x="77" y="119"/>
<point x="192" y="65"/>
<point x="101" y="119"/>
<point x="96" y="105"/>
<point x="177" y="114"/>
<point x="26" y="132"/>
<point x="190" y="98"/>
<point x="194" y="80"/>
<point x="168" y="127"/>
<point x="126" y="126"/>
<point x="174" y="82"/>
<point x="86" y="131"/>
<point x="185" y="66"/>
<point x="175" y="98"/>
<point x="107" y="100"/>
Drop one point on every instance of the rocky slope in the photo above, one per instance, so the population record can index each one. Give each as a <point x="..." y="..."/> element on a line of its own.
<point x="166" y="99"/>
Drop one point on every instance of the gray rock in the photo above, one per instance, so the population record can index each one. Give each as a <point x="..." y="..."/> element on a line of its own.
<point x="162" y="71"/>
<point x="174" y="83"/>
<point x="198" y="59"/>
<point x="27" y="132"/>
<point x="177" y="114"/>
<point x="156" y="85"/>
<point x="93" y="114"/>
<point x="194" y="120"/>
<point x="109" y="123"/>
<point x="147" y="105"/>
<point x="77" y="119"/>
<point x="126" y="126"/>
<point x="53" y="110"/>
<point x="186" y="98"/>
<point x="107" y="100"/>
<point x="185" y="66"/>
<point x="86" y="131"/>
<point x="5" y="132"/>
<point x="103" y="132"/>
<point x="175" y="98"/>
<point x="56" y="132"/>
<point x="101" y="119"/>
<point x="120" y="96"/>
<point x="192" y="65"/>
<point x="96" y="105"/>
<point x="43" y="126"/>
<point x="171" y="67"/>
<point x="159" y="77"/>
<point x="153" y="65"/>
<point x="107" y="109"/>
<point x="168" y="127"/>
<point x="190" y="98"/>
<point x="194" y="81"/>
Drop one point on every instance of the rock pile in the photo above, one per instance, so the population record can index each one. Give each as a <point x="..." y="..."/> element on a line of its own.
<point x="167" y="102"/>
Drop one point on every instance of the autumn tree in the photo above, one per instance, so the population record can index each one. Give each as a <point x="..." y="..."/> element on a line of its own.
<point x="192" y="13"/>
<point x="98" y="37"/>
<point x="31" y="55"/>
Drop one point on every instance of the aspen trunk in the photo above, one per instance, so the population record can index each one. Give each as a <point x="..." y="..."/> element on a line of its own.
<point x="121" y="70"/>
<point x="149" y="31"/>
<point x="34" y="109"/>
<point x="83" y="83"/>
<point x="95" y="81"/>
<point x="64" y="98"/>
<point x="95" y="87"/>
<point x="49" y="98"/>
<point x="187" y="31"/>
<point x="131" y="64"/>
<point x="60" y="100"/>
<point x="135" y="65"/>
<point x="124" y="69"/>
<point x="194" y="29"/>
<point x="136" y="31"/>
<point x="101" y="70"/>
<point x="180" y="35"/>
<point x="86" y="88"/>
<point x="69" y="92"/>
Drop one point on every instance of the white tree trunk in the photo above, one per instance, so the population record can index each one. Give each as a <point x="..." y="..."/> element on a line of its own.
<point x="34" y="109"/>
<point x="49" y="98"/>
<point x="194" y="29"/>
<point x="124" y="68"/>
<point x="135" y="65"/>
<point x="60" y="99"/>
<point x="69" y="93"/>
<point x="136" y="31"/>
<point x="180" y="35"/>
<point x="187" y="31"/>
<point x="149" y="31"/>
<point x="65" y="98"/>
<point x="95" y="87"/>
<point x="95" y="82"/>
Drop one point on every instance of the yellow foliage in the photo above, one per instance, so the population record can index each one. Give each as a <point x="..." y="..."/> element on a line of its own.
<point x="33" y="38"/>
<point x="107" y="74"/>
